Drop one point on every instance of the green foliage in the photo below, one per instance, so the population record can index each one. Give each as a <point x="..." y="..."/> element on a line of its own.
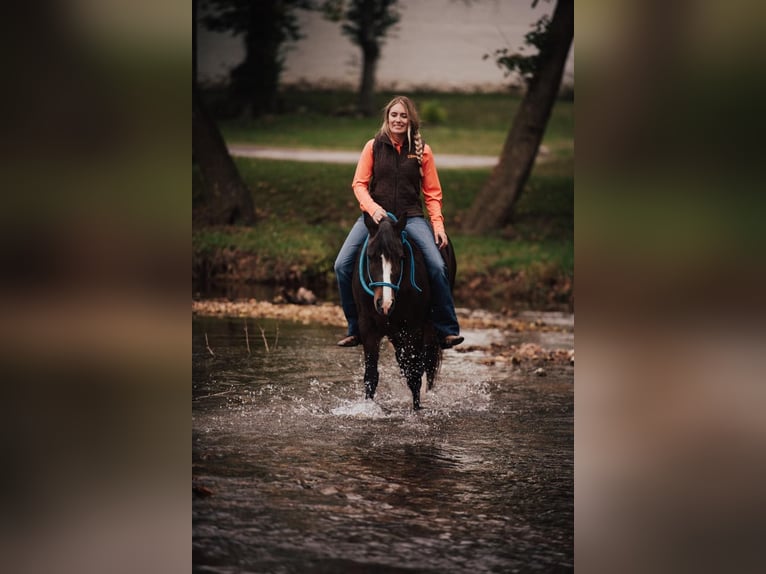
<point x="524" y="65"/>
<point x="365" y="22"/>
<point x="235" y="16"/>
<point x="432" y="112"/>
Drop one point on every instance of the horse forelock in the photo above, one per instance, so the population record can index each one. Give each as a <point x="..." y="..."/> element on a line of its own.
<point x="386" y="242"/>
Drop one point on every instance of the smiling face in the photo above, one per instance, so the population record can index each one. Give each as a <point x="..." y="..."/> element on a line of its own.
<point x="398" y="121"/>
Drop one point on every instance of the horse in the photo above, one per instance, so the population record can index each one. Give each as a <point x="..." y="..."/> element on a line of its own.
<point x="393" y="299"/>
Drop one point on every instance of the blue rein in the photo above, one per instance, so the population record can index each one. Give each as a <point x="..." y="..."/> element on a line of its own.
<point x="370" y="283"/>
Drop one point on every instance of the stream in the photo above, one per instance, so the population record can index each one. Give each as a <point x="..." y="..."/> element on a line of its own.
<point x="294" y="472"/>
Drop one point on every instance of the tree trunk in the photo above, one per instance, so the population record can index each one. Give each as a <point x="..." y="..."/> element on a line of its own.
<point x="255" y="81"/>
<point x="194" y="42"/>
<point x="370" y="46"/>
<point x="263" y="64"/>
<point x="228" y="198"/>
<point x="367" y="83"/>
<point x="493" y="207"/>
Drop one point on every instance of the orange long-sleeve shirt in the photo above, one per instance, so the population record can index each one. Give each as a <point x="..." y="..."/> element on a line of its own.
<point x="431" y="187"/>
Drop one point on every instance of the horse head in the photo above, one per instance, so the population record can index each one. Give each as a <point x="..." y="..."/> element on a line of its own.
<point x="385" y="261"/>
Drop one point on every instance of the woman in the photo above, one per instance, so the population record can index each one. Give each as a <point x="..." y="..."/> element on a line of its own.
<point x="393" y="168"/>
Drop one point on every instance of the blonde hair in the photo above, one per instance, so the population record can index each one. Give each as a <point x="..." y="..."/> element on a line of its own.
<point x="413" y="128"/>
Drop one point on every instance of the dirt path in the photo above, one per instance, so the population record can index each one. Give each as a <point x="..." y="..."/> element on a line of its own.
<point x="446" y="161"/>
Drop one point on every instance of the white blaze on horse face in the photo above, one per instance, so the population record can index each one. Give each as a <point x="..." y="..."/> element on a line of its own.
<point x="388" y="293"/>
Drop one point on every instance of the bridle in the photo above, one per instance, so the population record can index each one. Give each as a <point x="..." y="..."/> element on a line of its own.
<point x="369" y="283"/>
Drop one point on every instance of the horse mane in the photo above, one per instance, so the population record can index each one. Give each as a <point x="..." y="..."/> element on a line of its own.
<point x="386" y="241"/>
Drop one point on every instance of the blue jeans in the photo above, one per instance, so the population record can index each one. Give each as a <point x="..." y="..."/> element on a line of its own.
<point x="420" y="233"/>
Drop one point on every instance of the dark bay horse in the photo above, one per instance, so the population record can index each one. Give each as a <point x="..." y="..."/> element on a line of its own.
<point x="393" y="299"/>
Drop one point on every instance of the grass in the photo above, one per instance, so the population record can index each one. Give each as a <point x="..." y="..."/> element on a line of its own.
<point x="306" y="209"/>
<point x="476" y="124"/>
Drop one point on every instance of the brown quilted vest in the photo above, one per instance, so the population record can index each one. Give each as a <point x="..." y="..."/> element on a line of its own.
<point x="396" y="180"/>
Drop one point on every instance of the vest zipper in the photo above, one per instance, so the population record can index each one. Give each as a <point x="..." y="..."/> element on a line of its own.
<point x="396" y="182"/>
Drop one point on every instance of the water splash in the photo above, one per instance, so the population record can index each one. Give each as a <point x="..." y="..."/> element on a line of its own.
<point x="362" y="409"/>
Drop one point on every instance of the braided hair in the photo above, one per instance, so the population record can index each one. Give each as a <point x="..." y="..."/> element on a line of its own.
<point x="413" y="129"/>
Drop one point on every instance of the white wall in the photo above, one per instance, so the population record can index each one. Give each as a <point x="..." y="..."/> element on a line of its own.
<point x="438" y="44"/>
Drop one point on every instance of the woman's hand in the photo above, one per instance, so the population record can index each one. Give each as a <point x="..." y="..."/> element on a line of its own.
<point x="378" y="214"/>
<point x="441" y="239"/>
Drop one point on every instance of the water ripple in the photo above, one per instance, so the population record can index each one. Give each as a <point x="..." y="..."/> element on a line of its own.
<point x="307" y="476"/>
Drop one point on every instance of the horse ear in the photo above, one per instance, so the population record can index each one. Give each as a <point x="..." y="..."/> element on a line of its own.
<point x="400" y="223"/>
<point x="372" y="227"/>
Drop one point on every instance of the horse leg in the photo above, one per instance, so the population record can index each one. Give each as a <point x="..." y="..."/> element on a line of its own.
<point x="414" y="383"/>
<point x="371" y="355"/>
<point x="409" y="355"/>
<point x="432" y="358"/>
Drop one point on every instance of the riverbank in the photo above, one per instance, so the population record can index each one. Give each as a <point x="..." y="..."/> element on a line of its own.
<point x="232" y="273"/>
<point x="521" y="332"/>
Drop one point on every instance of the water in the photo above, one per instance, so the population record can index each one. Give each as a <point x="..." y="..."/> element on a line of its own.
<point x="306" y="476"/>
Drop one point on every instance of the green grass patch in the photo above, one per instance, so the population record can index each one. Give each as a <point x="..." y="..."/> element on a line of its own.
<point x="470" y="124"/>
<point x="306" y="209"/>
<point x="280" y="251"/>
<point x="485" y="255"/>
<point x="310" y="193"/>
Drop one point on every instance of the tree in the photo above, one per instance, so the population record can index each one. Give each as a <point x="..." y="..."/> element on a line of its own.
<point x="493" y="207"/>
<point x="267" y="25"/>
<point x="366" y="23"/>
<point x="228" y="199"/>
